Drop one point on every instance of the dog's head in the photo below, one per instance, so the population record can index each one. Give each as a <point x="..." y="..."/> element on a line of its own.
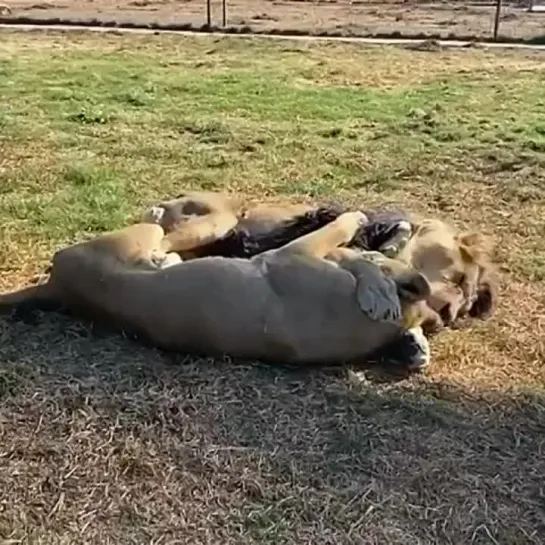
<point x="411" y="348"/>
<point x="412" y="289"/>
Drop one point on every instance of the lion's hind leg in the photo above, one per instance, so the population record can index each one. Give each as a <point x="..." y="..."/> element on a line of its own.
<point x="41" y="296"/>
<point x="199" y="231"/>
<point x="325" y="240"/>
<point x="193" y="220"/>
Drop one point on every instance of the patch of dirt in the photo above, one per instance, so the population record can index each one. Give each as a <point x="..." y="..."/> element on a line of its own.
<point x="463" y="19"/>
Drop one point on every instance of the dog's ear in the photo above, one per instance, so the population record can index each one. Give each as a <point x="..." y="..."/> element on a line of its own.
<point x="376" y="293"/>
<point x="475" y="247"/>
<point x="412" y="287"/>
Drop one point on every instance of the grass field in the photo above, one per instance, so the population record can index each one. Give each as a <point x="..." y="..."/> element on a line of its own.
<point x="103" y="441"/>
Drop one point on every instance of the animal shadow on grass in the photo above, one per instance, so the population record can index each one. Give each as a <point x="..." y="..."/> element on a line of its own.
<point x="102" y="440"/>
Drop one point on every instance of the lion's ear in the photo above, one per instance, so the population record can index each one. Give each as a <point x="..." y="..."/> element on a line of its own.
<point x="487" y="298"/>
<point x="474" y="247"/>
<point x="412" y="287"/>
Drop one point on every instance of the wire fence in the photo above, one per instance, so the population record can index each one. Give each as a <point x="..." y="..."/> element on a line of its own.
<point x="455" y="19"/>
<point x="495" y="19"/>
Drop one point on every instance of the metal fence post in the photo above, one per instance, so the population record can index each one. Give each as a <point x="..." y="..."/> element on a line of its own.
<point x="497" y="19"/>
<point x="208" y="13"/>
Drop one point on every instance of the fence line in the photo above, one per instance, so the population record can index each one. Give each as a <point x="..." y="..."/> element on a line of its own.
<point x="496" y="22"/>
<point x="465" y="20"/>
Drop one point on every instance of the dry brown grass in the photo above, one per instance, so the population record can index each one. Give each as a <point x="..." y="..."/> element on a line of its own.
<point x="105" y="441"/>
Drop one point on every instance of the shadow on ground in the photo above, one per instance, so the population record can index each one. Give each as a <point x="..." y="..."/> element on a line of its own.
<point x="102" y="440"/>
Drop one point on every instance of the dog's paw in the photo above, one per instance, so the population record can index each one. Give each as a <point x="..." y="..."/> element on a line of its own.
<point x="163" y="261"/>
<point x="352" y="221"/>
<point x="361" y="218"/>
<point x="402" y="233"/>
<point x="405" y="227"/>
<point x="154" y="215"/>
<point x="170" y="260"/>
<point x="377" y="258"/>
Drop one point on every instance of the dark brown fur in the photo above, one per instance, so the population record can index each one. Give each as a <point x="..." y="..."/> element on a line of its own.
<point x="240" y="243"/>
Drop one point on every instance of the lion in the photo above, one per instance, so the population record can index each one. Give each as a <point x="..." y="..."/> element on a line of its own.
<point x="458" y="264"/>
<point x="311" y="300"/>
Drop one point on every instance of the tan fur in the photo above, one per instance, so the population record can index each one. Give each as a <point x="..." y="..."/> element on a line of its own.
<point x="454" y="263"/>
<point x="458" y="266"/>
<point x="262" y="218"/>
<point x="194" y="219"/>
<point x="289" y="304"/>
<point x="197" y="218"/>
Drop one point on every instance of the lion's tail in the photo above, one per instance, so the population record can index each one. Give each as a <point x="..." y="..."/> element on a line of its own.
<point x="38" y="297"/>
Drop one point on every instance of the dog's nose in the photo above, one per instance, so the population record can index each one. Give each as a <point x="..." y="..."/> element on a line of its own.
<point x="422" y="355"/>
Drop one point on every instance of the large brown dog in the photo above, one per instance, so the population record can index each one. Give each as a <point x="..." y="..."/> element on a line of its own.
<point x="458" y="265"/>
<point x="290" y="304"/>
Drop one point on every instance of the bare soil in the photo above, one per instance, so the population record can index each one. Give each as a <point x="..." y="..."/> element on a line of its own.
<point x="455" y="19"/>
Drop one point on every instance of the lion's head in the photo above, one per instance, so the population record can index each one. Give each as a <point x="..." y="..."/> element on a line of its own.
<point x="458" y="267"/>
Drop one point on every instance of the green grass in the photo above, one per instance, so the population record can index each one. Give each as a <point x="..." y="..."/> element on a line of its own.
<point x="104" y="440"/>
<point x="94" y="130"/>
<point x="134" y="125"/>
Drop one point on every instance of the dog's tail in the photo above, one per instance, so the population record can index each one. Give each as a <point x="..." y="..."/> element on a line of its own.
<point x="37" y="297"/>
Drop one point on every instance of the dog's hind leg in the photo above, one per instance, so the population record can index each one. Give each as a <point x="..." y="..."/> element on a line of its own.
<point x="40" y="296"/>
<point x="322" y="242"/>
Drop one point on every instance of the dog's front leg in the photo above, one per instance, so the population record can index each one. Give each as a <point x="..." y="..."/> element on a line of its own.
<point x="349" y="257"/>
<point x="402" y="232"/>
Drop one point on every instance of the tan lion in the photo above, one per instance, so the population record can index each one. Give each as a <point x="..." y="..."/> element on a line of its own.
<point x="458" y="265"/>
<point x="311" y="300"/>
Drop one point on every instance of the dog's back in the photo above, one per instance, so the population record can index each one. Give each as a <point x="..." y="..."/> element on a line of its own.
<point x="289" y="309"/>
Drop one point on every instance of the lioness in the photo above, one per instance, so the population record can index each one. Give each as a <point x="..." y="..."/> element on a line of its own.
<point x="457" y="264"/>
<point x="290" y="304"/>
